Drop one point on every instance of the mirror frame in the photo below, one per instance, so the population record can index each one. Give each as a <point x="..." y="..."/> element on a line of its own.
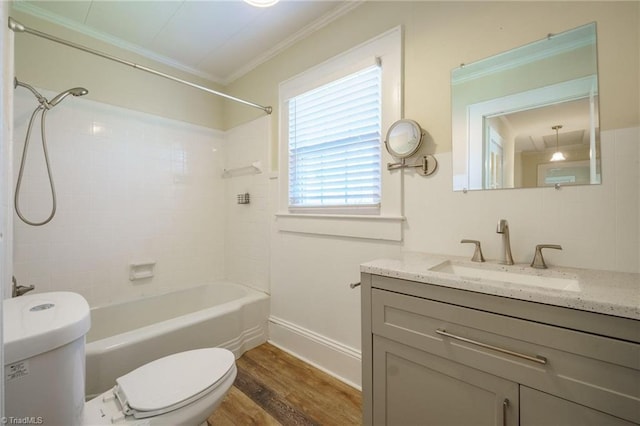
<point x="416" y="128"/>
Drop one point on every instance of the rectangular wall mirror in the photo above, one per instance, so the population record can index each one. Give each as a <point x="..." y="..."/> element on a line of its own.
<point x="515" y="111"/>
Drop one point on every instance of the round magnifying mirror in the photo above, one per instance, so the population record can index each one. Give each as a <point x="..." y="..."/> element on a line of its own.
<point x="403" y="138"/>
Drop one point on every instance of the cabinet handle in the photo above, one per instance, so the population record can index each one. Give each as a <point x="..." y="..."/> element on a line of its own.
<point x="505" y="405"/>
<point x="354" y="285"/>
<point x="537" y="358"/>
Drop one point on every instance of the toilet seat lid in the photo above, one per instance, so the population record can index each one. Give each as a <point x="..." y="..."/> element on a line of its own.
<point x="167" y="383"/>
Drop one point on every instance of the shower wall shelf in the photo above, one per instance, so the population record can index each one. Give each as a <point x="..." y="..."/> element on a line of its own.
<point x="252" y="169"/>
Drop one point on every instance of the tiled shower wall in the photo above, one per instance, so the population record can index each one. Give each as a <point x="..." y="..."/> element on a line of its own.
<point x="247" y="231"/>
<point x="131" y="187"/>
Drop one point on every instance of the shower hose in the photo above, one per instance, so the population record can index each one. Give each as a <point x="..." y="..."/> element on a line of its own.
<point x="46" y="159"/>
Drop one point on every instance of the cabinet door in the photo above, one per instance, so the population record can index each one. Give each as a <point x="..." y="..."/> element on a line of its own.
<point x="412" y="387"/>
<point x="539" y="409"/>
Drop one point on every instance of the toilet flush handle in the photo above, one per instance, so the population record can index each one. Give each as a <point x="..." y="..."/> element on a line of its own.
<point x="19" y="290"/>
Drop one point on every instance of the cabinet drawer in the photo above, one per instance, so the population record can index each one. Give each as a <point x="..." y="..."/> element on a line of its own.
<point x="591" y="370"/>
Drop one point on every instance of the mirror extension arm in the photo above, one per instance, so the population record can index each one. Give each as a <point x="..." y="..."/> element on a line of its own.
<point x="426" y="165"/>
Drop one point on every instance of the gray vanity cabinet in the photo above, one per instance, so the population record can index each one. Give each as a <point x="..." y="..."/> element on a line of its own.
<point x="422" y="389"/>
<point x="441" y="356"/>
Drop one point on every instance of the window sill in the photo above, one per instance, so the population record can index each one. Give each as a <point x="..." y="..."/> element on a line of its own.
<point x="388" y="228"/>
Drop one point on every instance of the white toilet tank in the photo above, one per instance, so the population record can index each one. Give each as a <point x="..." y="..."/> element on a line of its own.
<point x="44" y="357"/>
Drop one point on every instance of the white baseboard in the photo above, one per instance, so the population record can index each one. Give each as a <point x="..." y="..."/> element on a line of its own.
<point x="334" y="358"/>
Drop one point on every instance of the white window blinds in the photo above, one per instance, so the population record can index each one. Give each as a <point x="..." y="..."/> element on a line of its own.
<point x="334" y="143"/>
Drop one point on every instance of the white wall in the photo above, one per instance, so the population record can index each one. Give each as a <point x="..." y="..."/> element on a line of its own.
<point x="597" y="226"/>
<point x="131" y="187"/>
<point x="6" y="114"/>
<point x="315" y="314"/>
<point x="247" y="225"/>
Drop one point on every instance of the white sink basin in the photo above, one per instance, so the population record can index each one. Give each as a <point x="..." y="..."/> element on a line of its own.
<point x="487" y="272"/>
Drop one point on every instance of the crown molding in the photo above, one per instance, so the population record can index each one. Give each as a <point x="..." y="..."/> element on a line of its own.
<point x="316" y="25"/>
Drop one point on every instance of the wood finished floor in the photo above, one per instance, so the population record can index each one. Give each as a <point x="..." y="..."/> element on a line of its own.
<point x="275" y="388"/>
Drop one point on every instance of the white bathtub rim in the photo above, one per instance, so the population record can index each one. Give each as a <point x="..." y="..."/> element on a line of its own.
<point x="175" y="291"/>
<point x="117" y="341"/>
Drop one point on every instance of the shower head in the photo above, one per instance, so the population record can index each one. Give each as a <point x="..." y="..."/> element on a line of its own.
<point x="76" y="91"/>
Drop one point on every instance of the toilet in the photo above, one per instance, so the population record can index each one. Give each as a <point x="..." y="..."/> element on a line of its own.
<point x="44" y="377"/>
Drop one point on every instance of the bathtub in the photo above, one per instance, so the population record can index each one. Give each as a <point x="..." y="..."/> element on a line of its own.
<point x="124" y="336"/>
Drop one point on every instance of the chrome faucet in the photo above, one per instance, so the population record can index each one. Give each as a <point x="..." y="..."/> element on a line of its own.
<point x="19" y="290"/>
<point x="503" y="228"/>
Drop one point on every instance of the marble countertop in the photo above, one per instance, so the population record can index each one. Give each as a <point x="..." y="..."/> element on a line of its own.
<point x="605" y="292"/>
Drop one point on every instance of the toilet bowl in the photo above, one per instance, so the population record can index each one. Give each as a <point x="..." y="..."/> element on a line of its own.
<point x="44" y="342"/>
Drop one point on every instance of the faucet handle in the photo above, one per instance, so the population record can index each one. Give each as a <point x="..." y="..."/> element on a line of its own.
<point x="538" y="259"/>
<point x="477" y="254"/>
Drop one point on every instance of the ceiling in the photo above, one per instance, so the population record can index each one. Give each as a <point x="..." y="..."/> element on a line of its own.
<point x="219" y="40"/>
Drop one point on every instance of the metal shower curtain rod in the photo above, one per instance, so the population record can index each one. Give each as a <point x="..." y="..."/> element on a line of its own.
<point x="17" y="27"/>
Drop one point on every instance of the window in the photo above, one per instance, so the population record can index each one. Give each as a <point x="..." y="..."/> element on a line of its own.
<point x="334" y="143"/>
<point x="332" y="179"/>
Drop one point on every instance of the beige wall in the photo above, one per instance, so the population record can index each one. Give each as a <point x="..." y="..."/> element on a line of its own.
<point x="438" y="37"/>
<point x="48" y="65"/>
<point x="441" y="35"/>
